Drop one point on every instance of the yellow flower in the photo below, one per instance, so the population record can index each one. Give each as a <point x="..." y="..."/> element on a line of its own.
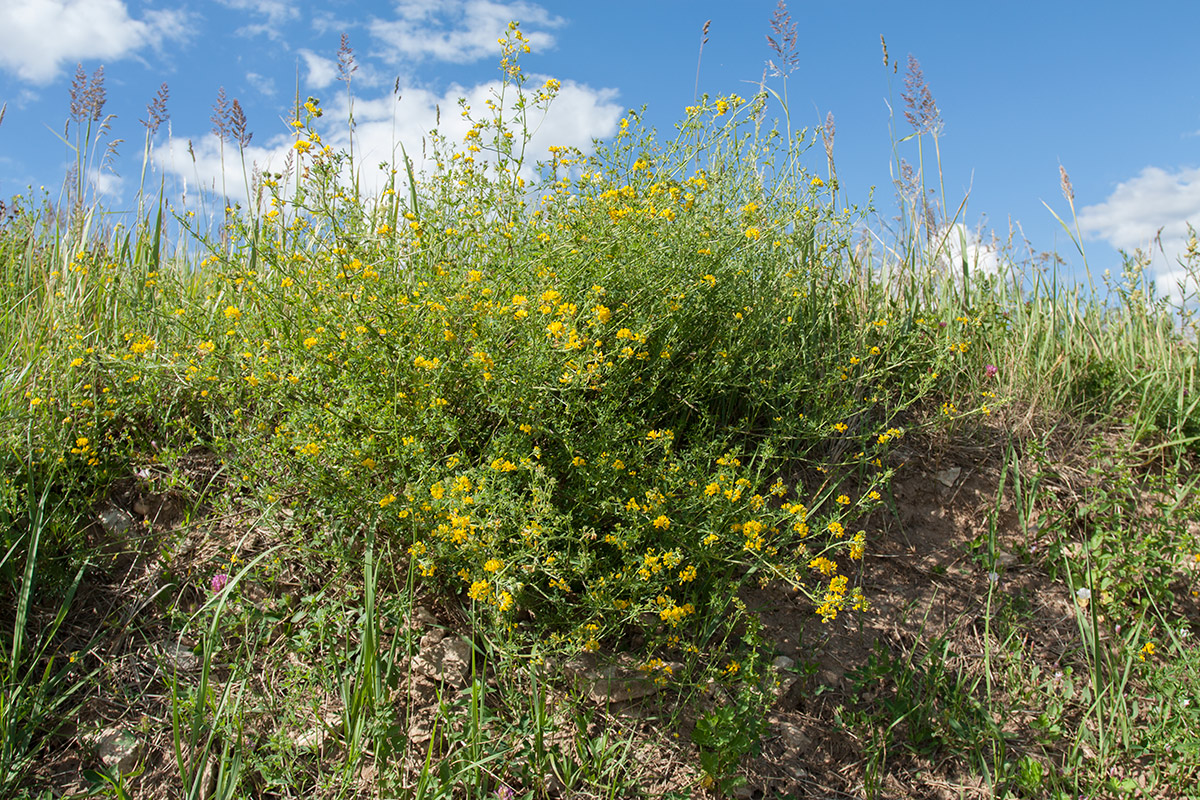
<point x="233" y="312"/>
<point x="823" y="565"/>
<point x="310" y="342"/>
<point x="662" y="523"/>
<point x="493" y="565"/>
<point x="753" y="233"/>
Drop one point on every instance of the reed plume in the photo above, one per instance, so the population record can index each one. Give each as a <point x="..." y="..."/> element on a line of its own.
<point x="921" y="110"/>
<point x="156" y="110"/>
<point x="784" y="42"/>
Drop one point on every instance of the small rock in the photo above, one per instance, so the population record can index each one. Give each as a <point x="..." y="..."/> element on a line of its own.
<point x="616" y="685"/>
<point x="431" y="638"/>
<point x="140" y="508"/>
<point x="448" y="661"/>
<point x="180" y="657"/>
<point x="115" y="520"/>
<point x="456" y="660"/>
<point x="612" y="683"/>
<point x="420" y="728"/>
<point x="947" y="477"/>
<point x="743" y="792"/>
<point x="831" y="678"/>
<point x="422" y="692"/>
<point x="422" y="617"/>
<point x="783" y="663"/>
<point x="788" y="691"/>
<point x="792" y="735"/>
<point x="119" y="749"/>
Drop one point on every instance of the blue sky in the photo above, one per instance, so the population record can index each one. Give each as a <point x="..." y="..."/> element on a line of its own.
<point x="1107" y="90"/>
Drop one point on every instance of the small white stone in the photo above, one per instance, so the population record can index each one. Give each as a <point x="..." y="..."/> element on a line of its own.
<point x="947" y="477"/>
<point x="120" y="749"/>
<point x="115" y="520"/>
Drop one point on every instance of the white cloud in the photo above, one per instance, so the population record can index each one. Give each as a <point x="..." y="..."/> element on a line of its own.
<point x="106" y="182"/>
<point x="1149" y="212"/>
<point x="578" y="115"/>
<point x="277" y="13"/>
<point x="261" y="84"/>
<point x="957" y="243"/>
<point x="321" y="71"/>
<point x="458" y="31"/>
<point x="37" y="37"/>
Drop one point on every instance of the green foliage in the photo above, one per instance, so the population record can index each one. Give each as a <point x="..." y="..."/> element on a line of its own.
<point x="725" y="735"/>
<point x="587" y="410"/>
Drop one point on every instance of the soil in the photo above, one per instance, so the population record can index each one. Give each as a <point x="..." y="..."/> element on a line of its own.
<point x="928" y="582"/>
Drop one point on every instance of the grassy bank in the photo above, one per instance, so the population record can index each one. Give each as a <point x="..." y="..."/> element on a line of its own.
<point x="582" y="478"/>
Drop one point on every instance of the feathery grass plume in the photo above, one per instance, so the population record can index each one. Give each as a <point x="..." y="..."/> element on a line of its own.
<point x="156" y="110"/>
<point x="1065" y="181"/>
<point x="920" y="109"/>
<point x="96" y="93"/>
<point x="699" y="56"/>
<point x="110" y="155"/>
<point x="883" y="43"/>
<point x="87" y="106"/>
<point x="79" y="85"/>
<point x="783" y="42"/>
<point x="346" y="68"/>
<point x="156" y="115"/>
<point x="87" y="95"/>
<point x="237" y="124"/>
<point x="3" y="108"/>
<point x="910" y="187"/>
<point x="345" y="60"/>
<point x="220" y="116"/>
<point x="827" y="133"/>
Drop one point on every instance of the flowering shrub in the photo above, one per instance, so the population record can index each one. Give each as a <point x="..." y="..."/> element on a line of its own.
<point x="600" y="392"/>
